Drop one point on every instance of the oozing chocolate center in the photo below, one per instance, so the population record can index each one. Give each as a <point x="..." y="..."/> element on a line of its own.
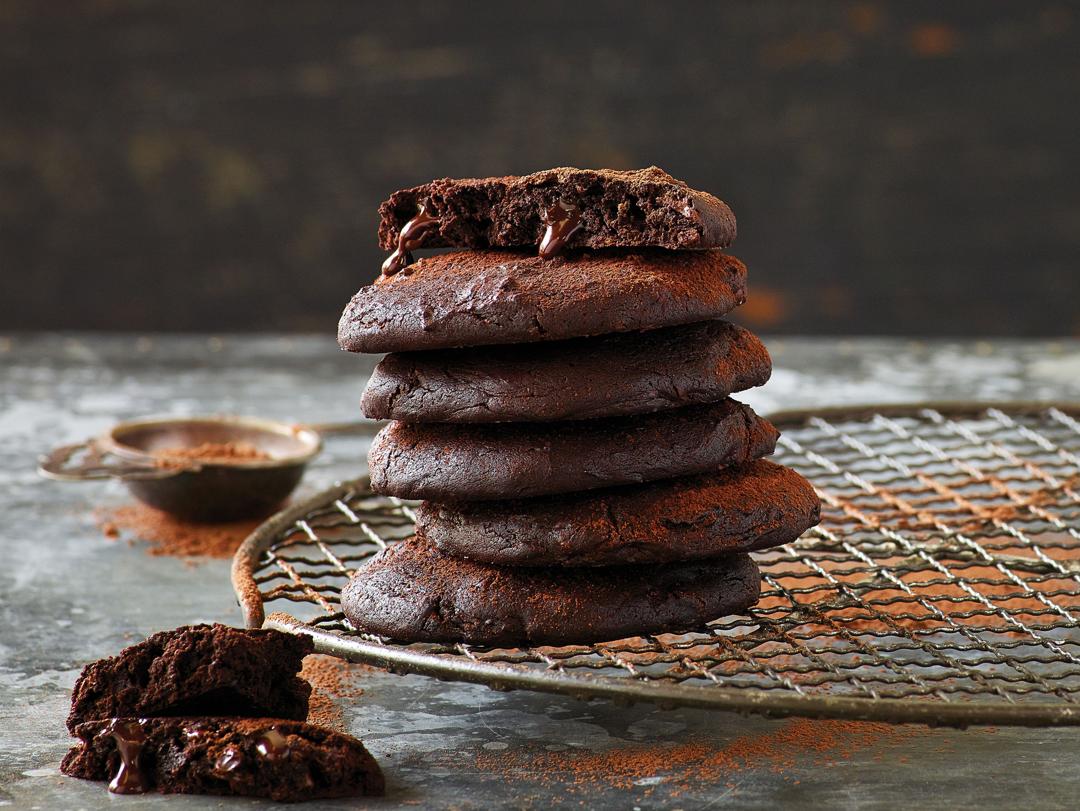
<point x="409" y="239"/>
<point x="130" y="737"/>
<point x="562" y="222"/>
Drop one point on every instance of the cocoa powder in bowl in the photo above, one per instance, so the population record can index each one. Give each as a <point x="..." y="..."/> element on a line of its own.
<point x="216" y="452"/>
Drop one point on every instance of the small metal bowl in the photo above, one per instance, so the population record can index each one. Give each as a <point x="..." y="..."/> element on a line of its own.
<point x="194" y="489"/>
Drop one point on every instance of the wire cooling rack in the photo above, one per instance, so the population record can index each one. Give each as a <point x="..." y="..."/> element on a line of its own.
<point x="942" y="585"/>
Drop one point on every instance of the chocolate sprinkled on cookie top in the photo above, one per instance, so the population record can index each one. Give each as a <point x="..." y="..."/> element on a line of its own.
<point x="472" y="298"/>
<point x="411" y="592"/>
<point x="581" y="378"/>
<point x="456" y="462"/>
<point x="742" y="509"/>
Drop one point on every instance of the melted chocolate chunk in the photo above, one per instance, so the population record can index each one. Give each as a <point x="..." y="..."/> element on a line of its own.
<point x="563" y="221"/>
<point x="411" y="236"/>
<point x="228" y="761"/>
<point x="130" y="737"/>
<point x="272" y="744"/>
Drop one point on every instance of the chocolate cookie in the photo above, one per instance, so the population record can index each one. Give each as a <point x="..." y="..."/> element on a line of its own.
<point x="603" y="208"/>
<point x="742" y="509"/>
<point x="453" y="462"/>
<point x="474" y="298"/>
<point x="197" y="670"/>
<point x="458" y="462"/>
<point x="607" y="376"/>
<point x="287" y="761"/>
<point x="413" y="593"/>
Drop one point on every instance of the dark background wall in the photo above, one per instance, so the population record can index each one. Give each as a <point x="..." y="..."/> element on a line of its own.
<point x="897" y="167"/>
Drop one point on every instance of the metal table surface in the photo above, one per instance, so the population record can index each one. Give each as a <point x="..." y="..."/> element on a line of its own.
<point x="68" y="595"/>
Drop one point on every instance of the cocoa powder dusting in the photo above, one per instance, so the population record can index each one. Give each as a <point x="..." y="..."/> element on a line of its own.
<point x="211" y="452"/>
<point x="682" y="766"/>
<point x="330" y="679"/>
<point x="166" y="535"/>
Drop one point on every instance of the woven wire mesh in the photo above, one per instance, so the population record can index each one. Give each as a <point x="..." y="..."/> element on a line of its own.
<point x="946" y="569"/>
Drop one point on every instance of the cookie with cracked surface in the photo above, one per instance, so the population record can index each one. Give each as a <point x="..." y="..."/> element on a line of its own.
<point x="475" y="298"/>
<point x="413" y="593"/>
<point x="198" y="670"/>
<point x="607" y="376"/>
<point x="744" y="509"/>
<point x="455" y="462"/>
<point x="636" y="208"/>
<point x="286" y="761"/>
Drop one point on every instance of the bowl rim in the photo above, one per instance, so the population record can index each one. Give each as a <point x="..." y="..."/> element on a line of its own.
<point x="311" y="439"/>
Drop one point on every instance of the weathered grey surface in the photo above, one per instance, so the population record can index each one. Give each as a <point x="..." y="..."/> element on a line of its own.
<point x="67" y="595"/>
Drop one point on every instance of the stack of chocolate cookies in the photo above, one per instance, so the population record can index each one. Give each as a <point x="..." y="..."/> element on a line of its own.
<point x="559" y="397"/>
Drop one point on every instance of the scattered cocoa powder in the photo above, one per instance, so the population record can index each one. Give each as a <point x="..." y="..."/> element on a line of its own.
<point x="211" y="452"/>
<point x="166" y="535"/>
<point x="331" y="679"/>
<point x="800" y="741"/>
